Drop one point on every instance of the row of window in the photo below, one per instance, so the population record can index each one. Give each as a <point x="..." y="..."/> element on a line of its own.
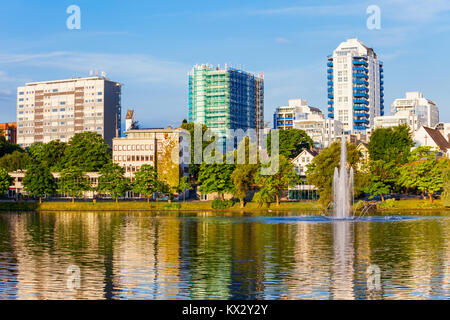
<point x="139" y="147"/>
<point x="146" y="158"/>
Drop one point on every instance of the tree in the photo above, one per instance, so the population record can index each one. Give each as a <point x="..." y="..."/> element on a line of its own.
<point x="424" y="171"/>
<point x="391" y="144"/>
<point x="88" y="151"/>
<point x="15" y="161"/>
<point x="194" y="168"/>
<point x="216" y="178"/>
<point x="183" y="186"/>
<point x="52" y="154"/>
<point x="320" y="171"/>
<point x="264" y="196"/>
<point x="243" y="178"/>
<point x="5" y="181"/>
<point x="380" y="177"/>
<point x="7" y="147"/>
<point x="73" y="181"/>
<point x="146" y="181"/>
<point x="292" y="142"/>
<point x="112" y="181"/>
<point x="39" y="181"/>
<point x="446" y="194"/>
<point x="278" y="181"/>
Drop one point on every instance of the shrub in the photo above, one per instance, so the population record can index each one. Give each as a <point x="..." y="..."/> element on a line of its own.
<point x="389" y="203"/>
<point x="172" y="206"/>
<point x="446" y="194"/>
<point x="221" y="204"/>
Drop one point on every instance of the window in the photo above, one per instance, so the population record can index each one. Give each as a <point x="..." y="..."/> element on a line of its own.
<point x="62" y="109"/>
<point x="21" y="99"/>
<point x="99" y="100"/>
<point x="55" y="90"/>
<point x="21" y="93"/>
<point x="115" y="148"/>
<point x="62" y="103"/>
<point x="100" y="93"/>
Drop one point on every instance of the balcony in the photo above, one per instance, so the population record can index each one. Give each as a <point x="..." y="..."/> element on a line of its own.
<point x="360" y="69"/>
<point x="381" y="88"/>
<point x="382" y="113"/>
<point x="361" y="82"/>
<point x="330" y="115"/>
<point x="381" y="82"/>
<point x="330" y="64"/>
<point x="330" y="102"/>
<point x="381" y="76"/>
<point x="382" y="94"/>
<point x="360" y="75"/>
<point x="330" y="70"/>
<point x="361" y="108"/>
<point x="360" y="63"/>
<point x="359" y="101"/>
<point x="330" y="76"/>
<point x="361" y="89"/>
<point x="359" y="121"/>
<point x="360" y="128"/>
<point x="330" y="89"/>
<point x="331" y="96"/>
<point x="330" y="109"/>
<point x="360" y="95"/>
<point x="361" y="114"/>
<point x="330" y="83"/>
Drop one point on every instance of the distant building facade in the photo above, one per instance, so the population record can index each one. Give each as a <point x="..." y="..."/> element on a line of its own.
<point x="225" y="99"/>
<point x="153" y="147"/>
<point x="57" y="110"/>
<point x="299" y="115"/>
<point x="9" y="131"/>
<point x="428" y="137"/>
<point x="355" y="86"/>
<point x="303" y="190"/>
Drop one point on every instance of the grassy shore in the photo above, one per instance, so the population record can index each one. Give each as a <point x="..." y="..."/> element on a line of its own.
<point x="401" y="205"/>
<point x="144" y="206"/>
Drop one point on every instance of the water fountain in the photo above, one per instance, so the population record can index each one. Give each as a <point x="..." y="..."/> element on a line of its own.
<point x="343" y="187"/>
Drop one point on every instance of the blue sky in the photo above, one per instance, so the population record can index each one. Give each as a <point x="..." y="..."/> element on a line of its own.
<point x="150" y="46"/>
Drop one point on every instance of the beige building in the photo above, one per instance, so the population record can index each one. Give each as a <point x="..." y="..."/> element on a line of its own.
<point x="154" y="147"/>
<point x="57" y="110"/>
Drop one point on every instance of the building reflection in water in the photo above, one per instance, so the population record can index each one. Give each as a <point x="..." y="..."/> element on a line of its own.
<point x="235" y="256"/>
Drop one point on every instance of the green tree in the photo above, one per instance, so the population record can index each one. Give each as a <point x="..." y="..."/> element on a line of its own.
<point x="88" y="151"/>
<point x="216" y="178"/>
<point x="424" y="171"/>
<point x="278" y="181"/>
<point x="7" y="147"/>
<point x="194" y="168"/>
<point x="292" y="142"/>
<point x="380" y="177"/>
<point x="183" y="186"/>
<point x="264" y="196"/>
<point x="391" y="144"/>
<point x="39" y="181"/>
<point x="320" y="171"/>
<point x="446" y="194"/>
<point x="243" y="178"/>
<point x="5" y="181"/>
<point x="112" y="181"/>
<point x="73" y="181"/>
<point x="146" y="181"/>
<point x="15" y="161"/>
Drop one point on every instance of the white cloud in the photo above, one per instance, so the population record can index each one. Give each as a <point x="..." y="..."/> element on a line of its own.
<point x="282" y="40"/>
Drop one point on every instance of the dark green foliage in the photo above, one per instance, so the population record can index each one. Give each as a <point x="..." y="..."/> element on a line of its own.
<point x="7" y="147"/>
<point x="5" y="181"/>
<point x="292" y="142"/>
<point x="112" y="181"/>
<point x="87" y="151"/>
<point x="39" y="181"/>
<point x="391" y="144"/>
<point x="221" y="204"/>
<point x="15" y="161"/>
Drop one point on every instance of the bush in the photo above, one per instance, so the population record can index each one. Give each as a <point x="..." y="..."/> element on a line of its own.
<point x="446" y="194"/>
<point x="172" y="206"/>
<point x="389" y="203"/>
<point x="221" y="204"/>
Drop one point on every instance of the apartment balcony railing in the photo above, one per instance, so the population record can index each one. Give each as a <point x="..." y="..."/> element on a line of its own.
<point x="361" y="95"/>
<point x="360" y="69"/>
<point x="361" y="89"/>
<point x="331" y="115"/>
<point x="357" y="81"/>
<point x="361" y="121"/>
<point x="361" y="108"/>
<point x="360" y="128"/>
<point x="361" y="114"/>
<point x="330" y="109"/>
<point x="330" y="64"/>
<point x="330" y="70"/>
<point x="360" y="101"/>
<point x="330" y="96"/>
<point x="330" y="83"/>
<point x="360" y="63"/>
<point x="330" y="89"/>
<point x="330" y="102"/>
<point x="360" y="75"/>
<point x="330" y="76"/>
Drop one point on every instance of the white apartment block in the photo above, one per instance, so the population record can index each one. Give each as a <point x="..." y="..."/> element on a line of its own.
<point x="355" y="86"/>
<point x="425" y="110"/>
<point x="297" y="109"/>
<point x="400" y="118"/>
<point x="57" y="110"/>
<point x="153" y="147"/>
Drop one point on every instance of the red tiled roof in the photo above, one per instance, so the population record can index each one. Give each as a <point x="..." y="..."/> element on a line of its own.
<point x="438" y="138"/>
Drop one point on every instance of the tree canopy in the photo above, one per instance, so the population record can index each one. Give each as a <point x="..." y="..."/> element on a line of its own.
<point x="88" y="151"/>
<point x="5" y="181"/>
<point x="15" y="161"/>
<point x="39" y="181"/>
<point x="112" y="180"/>
<point x="146" y="181"/>
<point x="73" y="181"/>
<point x="391" y="144"/>
<point x="292" y="142"/>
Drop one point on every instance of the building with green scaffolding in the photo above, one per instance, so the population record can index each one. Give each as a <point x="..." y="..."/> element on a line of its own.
<point x="225" y="99"/>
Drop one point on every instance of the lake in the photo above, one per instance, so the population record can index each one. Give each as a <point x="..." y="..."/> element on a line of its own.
<point x="86" y="255"/>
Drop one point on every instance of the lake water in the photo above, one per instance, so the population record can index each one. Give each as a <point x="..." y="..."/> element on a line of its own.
<point x="231" y="256"/>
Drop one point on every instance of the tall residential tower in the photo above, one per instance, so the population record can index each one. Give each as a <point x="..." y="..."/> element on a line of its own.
<point x="224" y="99"/>
<point x="57" y="110"/>
<point x="355" y="86"/>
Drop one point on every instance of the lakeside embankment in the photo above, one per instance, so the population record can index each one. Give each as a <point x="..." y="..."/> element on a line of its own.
<point x="400" y="205"/>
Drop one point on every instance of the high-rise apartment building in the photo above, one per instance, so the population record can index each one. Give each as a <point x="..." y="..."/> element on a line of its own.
<point x="225" y="99"/>
<point x="296" y="110"/>
<point x="9" y="131"/>
<point x="355" y="86"/>
<point x="57" y="110"/>
<point x="426" y="110"/>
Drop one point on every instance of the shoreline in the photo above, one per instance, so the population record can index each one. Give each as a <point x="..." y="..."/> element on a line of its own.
<point x="312" y="207"/>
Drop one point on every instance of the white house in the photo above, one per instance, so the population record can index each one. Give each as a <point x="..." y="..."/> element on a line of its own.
<point x="428" y="137"/>
<point x="303" y="191"/>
